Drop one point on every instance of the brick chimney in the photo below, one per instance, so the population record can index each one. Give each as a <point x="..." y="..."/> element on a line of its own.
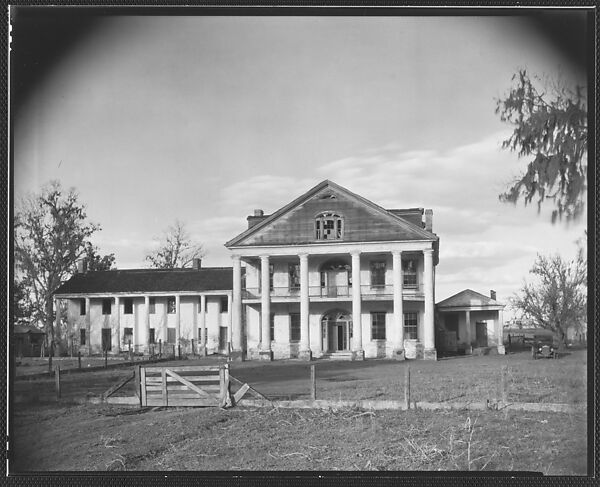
<point x="493" y="294"/>
<point x="259" y="215"/>
<point x="429" y="220"/>
<point x="196" y="264"/>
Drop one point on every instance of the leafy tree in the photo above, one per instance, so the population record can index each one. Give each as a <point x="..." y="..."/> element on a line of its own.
<point x="20" y="304"/>
<point x="95" y="262"/>
<point x="557" y="299"/>
<point x="174" y="249"/>
<point x="550" y="128"/>
<point x="51" y="232"/>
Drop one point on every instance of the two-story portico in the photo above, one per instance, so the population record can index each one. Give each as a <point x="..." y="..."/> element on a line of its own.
<point x="344" y="276"/>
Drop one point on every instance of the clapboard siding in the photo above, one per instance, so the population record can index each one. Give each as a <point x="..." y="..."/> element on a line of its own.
<point x="361" y="224"/>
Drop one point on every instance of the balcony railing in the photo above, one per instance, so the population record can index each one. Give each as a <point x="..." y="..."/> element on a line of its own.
<point x="333" y="291"/>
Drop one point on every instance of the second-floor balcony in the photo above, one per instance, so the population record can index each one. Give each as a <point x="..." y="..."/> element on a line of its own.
<point x="368" y="291"/>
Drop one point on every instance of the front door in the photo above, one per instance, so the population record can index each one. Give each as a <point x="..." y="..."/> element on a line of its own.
<point x="481" y="334"/>
<point x="337" y="336"/>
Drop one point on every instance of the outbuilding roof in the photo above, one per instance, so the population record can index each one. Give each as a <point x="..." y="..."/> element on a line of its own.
<point x="149" y="281"/>
<point x="468" y="299"/>
<point x="25" y="329"/>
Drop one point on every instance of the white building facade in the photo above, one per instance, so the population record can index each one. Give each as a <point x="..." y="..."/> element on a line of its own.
<point x="148" y="311"/>
<point x="345" y="277"/>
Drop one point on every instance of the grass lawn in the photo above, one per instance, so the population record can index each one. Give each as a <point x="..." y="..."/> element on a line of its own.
<point x="51" y="435"/>
<point x="100" y="438"/>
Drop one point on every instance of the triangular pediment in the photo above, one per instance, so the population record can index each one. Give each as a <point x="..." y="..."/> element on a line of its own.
<point x="363" y="221"/>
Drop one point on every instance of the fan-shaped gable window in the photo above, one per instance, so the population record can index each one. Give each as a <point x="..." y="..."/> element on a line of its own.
<point x="329" y="226"/>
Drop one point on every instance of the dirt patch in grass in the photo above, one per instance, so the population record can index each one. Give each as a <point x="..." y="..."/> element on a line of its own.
<point x="101" y="438"/>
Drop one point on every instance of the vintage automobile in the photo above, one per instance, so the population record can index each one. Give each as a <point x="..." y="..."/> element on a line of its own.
<point x="544" y="348"/>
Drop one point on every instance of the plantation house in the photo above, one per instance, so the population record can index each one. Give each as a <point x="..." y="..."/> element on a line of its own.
<point x="330" y="274"/>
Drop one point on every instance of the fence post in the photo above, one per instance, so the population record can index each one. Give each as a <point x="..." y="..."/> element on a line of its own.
<point x="313" y="382"/>
<point x="160" y="348"/>
<point x="503" y="384"/>
<point x="106" y="358"/>
<point x="407" y="387"/>
<point x="138" y="390"/>
<point x="193" y="352"/>
<point x="130" y="354"/>
<point x="178" y="350"/>
<point x="57" y="381"/>
<point x="79" y="360"/>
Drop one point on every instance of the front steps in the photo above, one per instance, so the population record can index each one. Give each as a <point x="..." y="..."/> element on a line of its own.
<point x="340" y="355"/>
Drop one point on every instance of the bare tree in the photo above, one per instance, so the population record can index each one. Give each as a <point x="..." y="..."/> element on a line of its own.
<point x="550" y="128"/>
<point x="557" y="300"/>
<point x="174" y="249"/>
<point x="51" y="233"/>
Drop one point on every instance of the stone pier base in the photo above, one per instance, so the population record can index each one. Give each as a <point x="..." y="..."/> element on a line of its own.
<point x="305" y="355"/>
<point x="501" y="350"/>
<point x="358" y="354"/>
<point x="430" y="354"/>
<point x="266" y="355"/>
<point x="398" y="354"/>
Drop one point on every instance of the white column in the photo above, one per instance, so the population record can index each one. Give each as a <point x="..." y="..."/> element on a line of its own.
<point x="177" y="320"/>
<point x="147" y="320"/>
<point x="398" y="308"/>
<point x="356" y="306"/>
<point x="500" y="333"/>
<point x="236" y="309"/>
<point x="118" y="322"/>
<point x="428" y="325"/>
<point x="305" y="351"/>
<point x="202" y="323"/>
<point x="88" y="324"/>
<point x="229" y="321"/>
<point x="468" y="329"/>
<point x="265" y="302"/>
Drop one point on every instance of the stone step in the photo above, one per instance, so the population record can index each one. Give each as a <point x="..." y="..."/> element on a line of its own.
<point x="344" y="355"/>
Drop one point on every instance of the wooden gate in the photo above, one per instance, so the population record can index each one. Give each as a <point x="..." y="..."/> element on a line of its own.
<point x="185" y="386"/>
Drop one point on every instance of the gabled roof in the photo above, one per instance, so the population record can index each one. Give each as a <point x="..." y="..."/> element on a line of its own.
<point x="149" y="280"/>
<point x="408" y="225"/>
<point x="467" y="299"/>
<point x="27" y="329"/>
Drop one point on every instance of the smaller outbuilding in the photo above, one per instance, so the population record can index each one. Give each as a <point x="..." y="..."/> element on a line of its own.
<point x="470" y="322"/>
<point x="28" y="340"/>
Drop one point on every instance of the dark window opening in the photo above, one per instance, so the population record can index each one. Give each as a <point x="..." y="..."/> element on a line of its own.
<point x="106" y="339"/>
<point x="294" y="276"/>
<point x="152" y="305"/>
<point x="272" y="327"/>
<point x="152" y="337"/>
<point x="224" y="305"/>
<point x="82" y="308"/>
<point x="171" y="306"/>
<point x="409" y="268"/>
<point x="377" y="274"/>
<point x="128" y="306"/>
<point x="171" y="335"/>
<point x="378" y="325"/>
<point x="295" y="332"/>
<point x="82" y="336"/>
<point x="106" y="306"/>
<point x="329" y="226"/>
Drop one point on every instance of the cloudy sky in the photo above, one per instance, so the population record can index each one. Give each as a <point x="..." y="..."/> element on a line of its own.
<point x="203" y="119"/>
